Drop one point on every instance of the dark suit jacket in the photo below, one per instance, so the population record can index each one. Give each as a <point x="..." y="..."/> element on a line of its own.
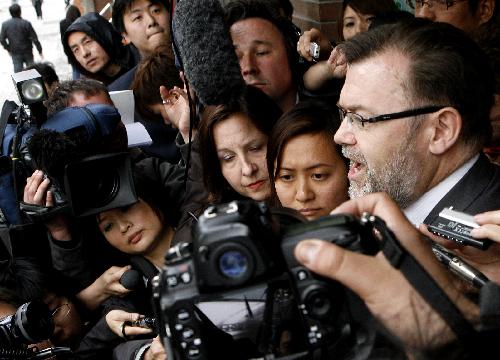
<point x="478" y="191"/>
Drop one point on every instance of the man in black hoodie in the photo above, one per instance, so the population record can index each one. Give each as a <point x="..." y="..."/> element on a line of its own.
<point x="95" y="48"/>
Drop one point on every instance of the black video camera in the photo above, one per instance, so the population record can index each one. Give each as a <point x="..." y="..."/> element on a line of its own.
<point x="73" y="149"/>
<point x="239" y="245"/>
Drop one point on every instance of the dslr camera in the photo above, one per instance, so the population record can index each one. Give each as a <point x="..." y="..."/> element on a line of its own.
<point x="31" y="324"/>
<point x="242" y="244"/>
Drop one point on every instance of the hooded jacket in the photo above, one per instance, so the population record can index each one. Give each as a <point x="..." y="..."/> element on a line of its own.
<point x="99" y="29"/>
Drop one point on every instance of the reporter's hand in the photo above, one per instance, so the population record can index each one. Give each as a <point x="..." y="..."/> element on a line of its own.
<point x="37" y="192"/>
<point x="384" y="289"/>
<point x="490" y="226"/>
<point x="487" y="262"/>
<point x="337" y="63"/>
<point x="305" y="40"/>
<point x="106" y="285"/>
<point x="116" y="319"/>
<point x="176" y="105"/>
<point x="155" y="351"/>
<point x="109" y="281"/>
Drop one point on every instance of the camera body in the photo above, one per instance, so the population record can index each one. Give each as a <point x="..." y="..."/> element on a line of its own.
<point x="238" y="245"/>
<point x="314" y="49"/>
<point x="145" y="322"/>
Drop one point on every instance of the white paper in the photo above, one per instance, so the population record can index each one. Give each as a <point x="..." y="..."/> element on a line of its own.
<point x="137" y="135"/>
<point x="125" y="103"/>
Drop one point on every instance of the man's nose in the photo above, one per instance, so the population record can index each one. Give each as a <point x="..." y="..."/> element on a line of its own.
<point x="344" y="135"/>
<point x="248" y="65"/>
<point x="86" y="51"/>
<point x="151" y="20"/>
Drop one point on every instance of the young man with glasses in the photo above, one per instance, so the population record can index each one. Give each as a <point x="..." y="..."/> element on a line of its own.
<point x="415" y="108"/>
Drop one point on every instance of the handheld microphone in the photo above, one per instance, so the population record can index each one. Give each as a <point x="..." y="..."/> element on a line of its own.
<point x="459" y="267"/>
<point x="131" y="279"/>
<point x="207" y="52"/>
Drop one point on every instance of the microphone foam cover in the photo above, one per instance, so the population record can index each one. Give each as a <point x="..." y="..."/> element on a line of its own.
<point x="207" y="52"/>
<point x="131" y="279"/>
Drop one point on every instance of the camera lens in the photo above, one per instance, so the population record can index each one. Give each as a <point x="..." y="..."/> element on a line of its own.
<point x="32" y="90"/>
<point x="30" y="324"/>
<point x="233" y="264"/>
<point x="98" y="188"/>
<point x="104" y="187"/>
<point x="318" y="303"/>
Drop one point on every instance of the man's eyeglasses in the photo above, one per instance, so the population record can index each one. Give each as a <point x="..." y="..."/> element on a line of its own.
<point x="437" y="3"/>
<point x="61" y="312"/>
<point x="359" y="121"/>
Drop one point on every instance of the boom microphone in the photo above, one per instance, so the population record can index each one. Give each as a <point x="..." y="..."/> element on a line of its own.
<point x="207" y="52"/>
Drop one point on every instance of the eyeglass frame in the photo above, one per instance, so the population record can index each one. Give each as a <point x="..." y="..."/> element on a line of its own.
<point x="58" y="308"/>
<point x="392" y="116"/>
<point x="448" y="3"/>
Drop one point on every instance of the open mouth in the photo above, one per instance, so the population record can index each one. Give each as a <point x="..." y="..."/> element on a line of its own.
<point x="355" y="169"/>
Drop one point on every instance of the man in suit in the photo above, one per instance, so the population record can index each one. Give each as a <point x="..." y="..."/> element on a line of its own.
<point x="415" y="109"/>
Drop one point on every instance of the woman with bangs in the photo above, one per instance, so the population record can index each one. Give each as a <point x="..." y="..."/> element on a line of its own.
<point x="307" y="170"/>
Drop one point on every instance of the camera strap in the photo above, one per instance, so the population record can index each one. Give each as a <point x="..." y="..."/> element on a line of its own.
<point x="422" y="281"/>
<point x="38" y="213"/>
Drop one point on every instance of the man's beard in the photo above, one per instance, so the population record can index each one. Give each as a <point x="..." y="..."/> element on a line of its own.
<point x="397" y="177"/>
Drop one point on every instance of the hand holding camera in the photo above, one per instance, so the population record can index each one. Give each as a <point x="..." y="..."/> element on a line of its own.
<point x="125" y="324"/>
<point x="37" y="192"/>
<point x="305" y="42"/>
<point x="383" y="288"/>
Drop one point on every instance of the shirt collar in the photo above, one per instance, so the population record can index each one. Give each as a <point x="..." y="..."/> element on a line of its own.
<point x="418" y="211"/>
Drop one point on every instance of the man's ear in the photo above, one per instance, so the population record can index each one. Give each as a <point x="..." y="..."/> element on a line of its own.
<point x="125" y="39"/>
<point x="445" y="130"/>
<point x="485" y="11"/>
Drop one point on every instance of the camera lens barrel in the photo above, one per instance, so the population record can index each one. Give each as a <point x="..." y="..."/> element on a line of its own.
<point x="31" y="324"/>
